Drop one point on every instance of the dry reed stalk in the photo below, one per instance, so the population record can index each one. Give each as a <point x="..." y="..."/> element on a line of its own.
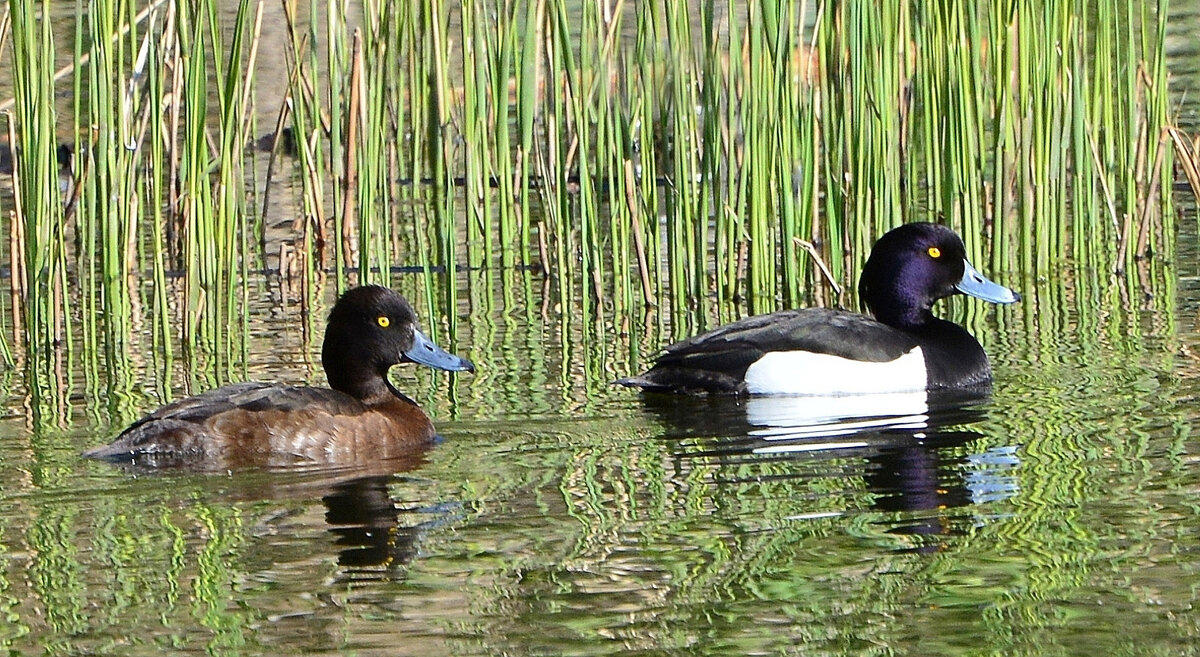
<point x="639" y="241"/>
<point x="350" y="182"/>
<point x="1189" y="157"/>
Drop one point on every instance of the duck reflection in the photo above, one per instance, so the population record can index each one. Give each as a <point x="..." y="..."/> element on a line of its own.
<point x="374" y="533"/>
<point x="377" y="536"/>
<point x="366" y="521"/>
<point x="912" y="450"/>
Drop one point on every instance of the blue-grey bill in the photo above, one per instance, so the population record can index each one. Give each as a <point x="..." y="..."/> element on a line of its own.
<point x="423" y="351"/>
<point x="977" y="285"/>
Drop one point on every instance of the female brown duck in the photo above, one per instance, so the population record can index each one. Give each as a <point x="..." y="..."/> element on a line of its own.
<point x="363" y="418"/>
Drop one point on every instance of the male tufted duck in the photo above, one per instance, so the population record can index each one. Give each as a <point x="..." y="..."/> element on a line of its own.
<point x="361" y="418"/>
<point x="819" y="351"/>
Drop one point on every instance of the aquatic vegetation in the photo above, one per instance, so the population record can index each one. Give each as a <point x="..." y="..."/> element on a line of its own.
<point x="563" y="188"/>
<point x="712" y="159"/>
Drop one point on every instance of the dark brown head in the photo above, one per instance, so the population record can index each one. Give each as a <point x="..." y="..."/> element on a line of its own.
<point x="372" y="328"/>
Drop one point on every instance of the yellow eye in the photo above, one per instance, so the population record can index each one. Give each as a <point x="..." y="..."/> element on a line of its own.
<point x="934" y="252"/>
<point x="384" y="321"/>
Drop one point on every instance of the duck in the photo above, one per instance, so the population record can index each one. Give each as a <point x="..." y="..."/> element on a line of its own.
<point x="901" y="347"/>
<point x="360" y="418"/>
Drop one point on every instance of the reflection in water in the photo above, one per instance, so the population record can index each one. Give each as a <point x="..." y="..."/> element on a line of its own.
<point x="375" y="537"/>
<point x="372" y="539"/>
<point x="796" y="418"/>
<point x="911" y="450"/>
<point x="366" y="521"/>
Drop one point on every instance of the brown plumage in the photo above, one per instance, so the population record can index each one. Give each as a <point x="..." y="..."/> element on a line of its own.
<point x="362" y="418"/>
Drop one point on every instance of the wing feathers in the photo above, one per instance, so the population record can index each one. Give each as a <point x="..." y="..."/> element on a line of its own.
<point x="717" y="361"/>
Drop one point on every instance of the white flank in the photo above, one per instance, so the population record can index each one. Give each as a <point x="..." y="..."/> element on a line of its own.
<point x="806" y="373"/>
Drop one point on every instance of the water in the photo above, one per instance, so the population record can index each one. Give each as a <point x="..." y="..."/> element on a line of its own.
<point x="559" y="515"/>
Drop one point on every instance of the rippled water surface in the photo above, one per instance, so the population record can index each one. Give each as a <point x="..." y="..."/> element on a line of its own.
<point x="560" y="515"/>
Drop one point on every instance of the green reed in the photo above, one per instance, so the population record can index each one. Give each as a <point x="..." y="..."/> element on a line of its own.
<point x="442" y="138"/>
<point x="685" y="155"/>
<point x="747" y="122"/>
<point x="37" y="247"/>
<point x="478" y="146"/>
<point x="558" y="244"/>
<point x="341" y="107"/>
<point x="645" y="89"/>
<point x="154" y="183"/>
<point x="375" y="169"/>
<point x="307" y="131"/>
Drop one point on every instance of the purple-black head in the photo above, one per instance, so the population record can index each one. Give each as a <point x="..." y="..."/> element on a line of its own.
<point x="914" y="265"/>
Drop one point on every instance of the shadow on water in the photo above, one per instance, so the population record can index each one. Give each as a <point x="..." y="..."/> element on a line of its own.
<point x="915" y="453"/>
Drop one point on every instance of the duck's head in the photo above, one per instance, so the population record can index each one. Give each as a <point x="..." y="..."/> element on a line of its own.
<point x="913" y="266"/>
<point x="372" y="328"/>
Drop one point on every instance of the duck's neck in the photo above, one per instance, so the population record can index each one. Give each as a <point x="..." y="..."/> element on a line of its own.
<point x="362" y="380"/>
<point x="369" y="390"/>
<point x="901" y="311"/>
<point x="910" y="319"/>
<point x="953" y="355"/>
